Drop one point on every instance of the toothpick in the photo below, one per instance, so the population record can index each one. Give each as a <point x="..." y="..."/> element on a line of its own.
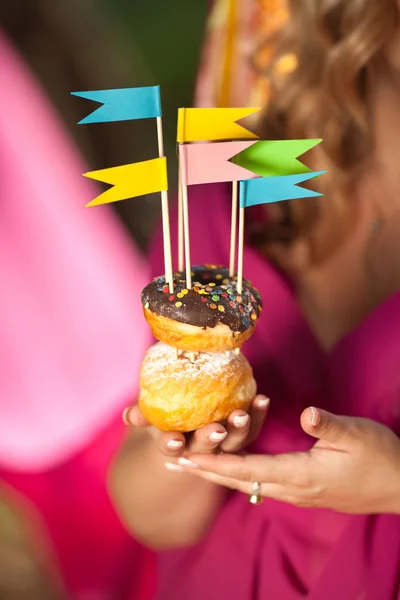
<point x="240" y="252"/>
<point x="181" y="256"/>
<point x="165" y="216"/>
<point x="186" y="236"/>
<point x="235" y="188"/>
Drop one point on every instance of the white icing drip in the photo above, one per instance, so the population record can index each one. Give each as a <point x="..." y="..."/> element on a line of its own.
<point x="162" y="357"/>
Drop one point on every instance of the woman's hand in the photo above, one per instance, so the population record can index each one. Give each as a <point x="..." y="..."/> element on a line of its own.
<point x="241" y="429"/>
<point x="354" y="467"/>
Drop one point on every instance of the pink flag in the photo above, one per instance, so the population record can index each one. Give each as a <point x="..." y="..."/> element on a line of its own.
<point x="209" y="162"/>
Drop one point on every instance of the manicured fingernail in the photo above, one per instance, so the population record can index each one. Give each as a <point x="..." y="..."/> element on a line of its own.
<point x="125" y="416"/>
<point x="173" y="467"/>
<point x="315" y="416"/>
<point x="174" y="444"/>
<point x="215" y="436"/>
<point x="185" y="462"/>
<point x="240" y="421"/>
<point x="262" y="402"/>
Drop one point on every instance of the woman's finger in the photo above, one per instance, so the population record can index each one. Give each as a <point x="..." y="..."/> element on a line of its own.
<point x="268" y="490"/>
<point x="238" y="427"/>
<point x="258" y="413"/>
<point x="132" y="415"/>
<point x="281" y="468"/>
<point x="207" y="439"/>
<point x="171" y="444"/>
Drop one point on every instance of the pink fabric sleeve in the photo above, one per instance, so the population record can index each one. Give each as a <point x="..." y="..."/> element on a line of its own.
<point x="72" y="333"/>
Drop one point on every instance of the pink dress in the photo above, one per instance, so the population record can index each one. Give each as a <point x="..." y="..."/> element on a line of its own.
<point x="72" y="337"/>
<point x="276" y="551"/>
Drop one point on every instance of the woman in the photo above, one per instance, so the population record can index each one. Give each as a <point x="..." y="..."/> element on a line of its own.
<point x="327" y="345"/>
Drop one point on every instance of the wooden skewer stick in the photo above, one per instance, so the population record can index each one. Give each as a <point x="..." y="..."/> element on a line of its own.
<point x="186" y="236"/>
<point x="181" y="256"/>
<point x="165" y="216"/>
<point x="235" y="188"/>
<point x="240" y="251"/>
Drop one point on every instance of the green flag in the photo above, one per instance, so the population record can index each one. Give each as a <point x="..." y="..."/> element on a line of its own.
<point x="276" y="157"/>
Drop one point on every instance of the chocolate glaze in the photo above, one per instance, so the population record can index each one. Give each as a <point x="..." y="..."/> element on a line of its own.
<point x="213" y="299"/>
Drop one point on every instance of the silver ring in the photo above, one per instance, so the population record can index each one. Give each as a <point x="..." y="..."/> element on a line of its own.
<point x="255" y="496"/>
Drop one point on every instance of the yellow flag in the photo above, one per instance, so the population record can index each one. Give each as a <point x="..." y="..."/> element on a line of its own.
<point x="196" y="124"/>
<point x="131" y="180"/>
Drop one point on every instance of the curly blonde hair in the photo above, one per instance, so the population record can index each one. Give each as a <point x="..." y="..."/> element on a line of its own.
<point x="337" y="44"/>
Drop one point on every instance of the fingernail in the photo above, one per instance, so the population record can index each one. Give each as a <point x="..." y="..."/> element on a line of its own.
<point x="262" y="402"/>
<point x="173" y="467"/>
<point x="125" y="415"/>
<point x="215" y="436"/>
<point x="174" y="444"/>
<point x="185" y="462"/>
<point x="240" y="421"/>
<point x="315" y="416"/>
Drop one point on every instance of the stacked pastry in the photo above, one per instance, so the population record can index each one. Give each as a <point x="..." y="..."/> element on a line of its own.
<point x="196" y="374"/>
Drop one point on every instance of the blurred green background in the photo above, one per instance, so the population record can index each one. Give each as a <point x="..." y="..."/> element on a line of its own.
<point x="98" y="44"/>
<point x="163" y="39"/>
<point x="168" y="35"/>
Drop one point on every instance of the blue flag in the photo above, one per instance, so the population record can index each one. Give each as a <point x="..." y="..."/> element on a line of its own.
<point x="125" y="104"/>
<point x="265" y="190"/>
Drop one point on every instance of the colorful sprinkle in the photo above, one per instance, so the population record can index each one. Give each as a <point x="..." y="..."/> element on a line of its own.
<point x="209" y="289"/>
<point x="253" y="316"/>
<point x="215" y="297"/>
<point x="196" y="288"/>
<point x="224" y="295"/>
<point x="180" y="295"/>
<point x="239" y="299"/>
<point x="232" y="304"/>
<point x="212" y="284"/>
<point x="185" y="291"/>
<point x="225" y="281"/>
<point x="213" y="306"/>
<point x="204" y="299"/>
<point x="171" y="298"/>
<point x="246" y="322"/>
<point x="165" y="289"/>
<point x="221" y="308"/>
<point x="230" y="291"/>
<point x="178" y="304"/>
<point x="241" y="307"/>
<point x="219" y="276"/>
<point x="231" y="297"/>
<point x="202" y="292"/>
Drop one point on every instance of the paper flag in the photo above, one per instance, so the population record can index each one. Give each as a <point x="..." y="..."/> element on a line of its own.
<point x="199" y="124"/>
<point x="123" y="104"/>
<point x="209" y="163"/>
<point x="265" y="190"/>
<point x="275" y="158"/>
<point x="131" y="180"/>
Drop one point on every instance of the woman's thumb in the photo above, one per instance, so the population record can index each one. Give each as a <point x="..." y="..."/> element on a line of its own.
<point x="324" y="425"/>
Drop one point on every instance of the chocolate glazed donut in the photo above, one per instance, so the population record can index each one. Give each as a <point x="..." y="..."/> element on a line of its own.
<point x="210" y="317"/>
